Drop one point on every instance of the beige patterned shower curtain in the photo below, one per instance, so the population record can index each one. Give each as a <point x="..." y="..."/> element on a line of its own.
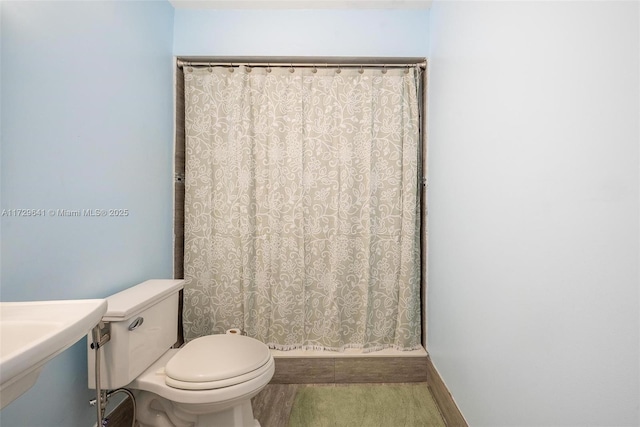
<point x="301" y="207"/>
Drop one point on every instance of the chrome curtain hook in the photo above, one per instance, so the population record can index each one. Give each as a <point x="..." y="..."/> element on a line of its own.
<point x="291" y="70"/>
<point x="268" y="68"/>
<point x="361" y="71"/>
<point x="339" y="70"/>
<point x="231" y="70"/>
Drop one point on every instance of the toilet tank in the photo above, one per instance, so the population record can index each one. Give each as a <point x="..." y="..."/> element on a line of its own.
<point x="143" y="323"/>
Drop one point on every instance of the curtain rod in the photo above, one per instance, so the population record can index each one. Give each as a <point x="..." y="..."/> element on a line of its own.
<point x="181" y="63"/>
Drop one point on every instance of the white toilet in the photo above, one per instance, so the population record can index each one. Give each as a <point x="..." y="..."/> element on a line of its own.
<point x="209" y="382"/>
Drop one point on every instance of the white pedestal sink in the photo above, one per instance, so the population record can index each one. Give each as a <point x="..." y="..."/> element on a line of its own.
<point x="32" y="333"/>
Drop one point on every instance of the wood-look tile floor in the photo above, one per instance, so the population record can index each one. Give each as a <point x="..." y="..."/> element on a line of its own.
<point x="272" y="406"/>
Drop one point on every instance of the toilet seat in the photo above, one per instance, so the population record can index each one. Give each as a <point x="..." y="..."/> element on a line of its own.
<point x="154" y="380"/>
<point x="216" y="361"/>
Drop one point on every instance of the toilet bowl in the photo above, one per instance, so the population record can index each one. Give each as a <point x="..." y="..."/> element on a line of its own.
<point x="240" y="365"/>
<point x="209" y="382"/>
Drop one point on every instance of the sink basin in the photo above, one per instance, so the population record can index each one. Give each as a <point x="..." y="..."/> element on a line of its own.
<point x="32" y="333"/>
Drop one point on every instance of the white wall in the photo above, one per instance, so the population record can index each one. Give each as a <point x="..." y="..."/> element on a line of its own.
<point x="534" y="209"/>
<point x="281" y="32"/>
<point x="87" y="123"/>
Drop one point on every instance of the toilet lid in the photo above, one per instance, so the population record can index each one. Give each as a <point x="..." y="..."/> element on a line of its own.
<point x="216" y="358"/>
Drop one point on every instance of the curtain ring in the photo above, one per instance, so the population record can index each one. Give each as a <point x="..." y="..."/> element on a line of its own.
<point x="268" y="68"/>
<point x="231" y="70"/>
<point x="189" y="69"/>
<point x="406" y="71"/>
<point x="247" y="69"/>
<point x="339" y="70"/>
<point x="291" y="70"/>
<point x="210" y="69"/>
<point x="384" y="69"/>
<point x="314" y="69"/>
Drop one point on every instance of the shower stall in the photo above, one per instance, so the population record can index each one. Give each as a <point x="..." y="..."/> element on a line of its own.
<point x="300" y="198"/>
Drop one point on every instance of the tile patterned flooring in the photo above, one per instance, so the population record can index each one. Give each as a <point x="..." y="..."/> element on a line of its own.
<point x="272" y="406"/>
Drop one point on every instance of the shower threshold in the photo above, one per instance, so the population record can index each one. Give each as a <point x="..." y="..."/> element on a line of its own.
<point x="349" y="366"/>
<point x="348" y="353"/>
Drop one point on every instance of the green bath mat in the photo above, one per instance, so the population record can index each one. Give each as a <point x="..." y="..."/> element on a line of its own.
<point x="374" y="405"/>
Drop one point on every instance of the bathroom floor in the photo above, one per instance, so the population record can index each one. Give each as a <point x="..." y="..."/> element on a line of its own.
<point x="273" y="406"/>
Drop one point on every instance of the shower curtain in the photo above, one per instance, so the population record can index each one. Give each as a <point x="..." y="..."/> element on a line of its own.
<point x="301" y="206"/>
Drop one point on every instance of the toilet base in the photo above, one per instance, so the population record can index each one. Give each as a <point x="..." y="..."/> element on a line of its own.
<point x="156" y="411"/>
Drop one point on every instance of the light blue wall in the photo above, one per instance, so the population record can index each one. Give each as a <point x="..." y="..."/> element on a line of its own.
<point x="301" y="32"/>
<point x="87" y="122"/>
<point x="534" y="208"/>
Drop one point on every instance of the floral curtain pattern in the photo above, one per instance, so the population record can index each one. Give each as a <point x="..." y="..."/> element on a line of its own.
<point x="301" y="208"/>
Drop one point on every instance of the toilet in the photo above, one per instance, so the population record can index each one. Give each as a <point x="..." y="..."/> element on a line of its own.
<point x="209" y="382"/>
